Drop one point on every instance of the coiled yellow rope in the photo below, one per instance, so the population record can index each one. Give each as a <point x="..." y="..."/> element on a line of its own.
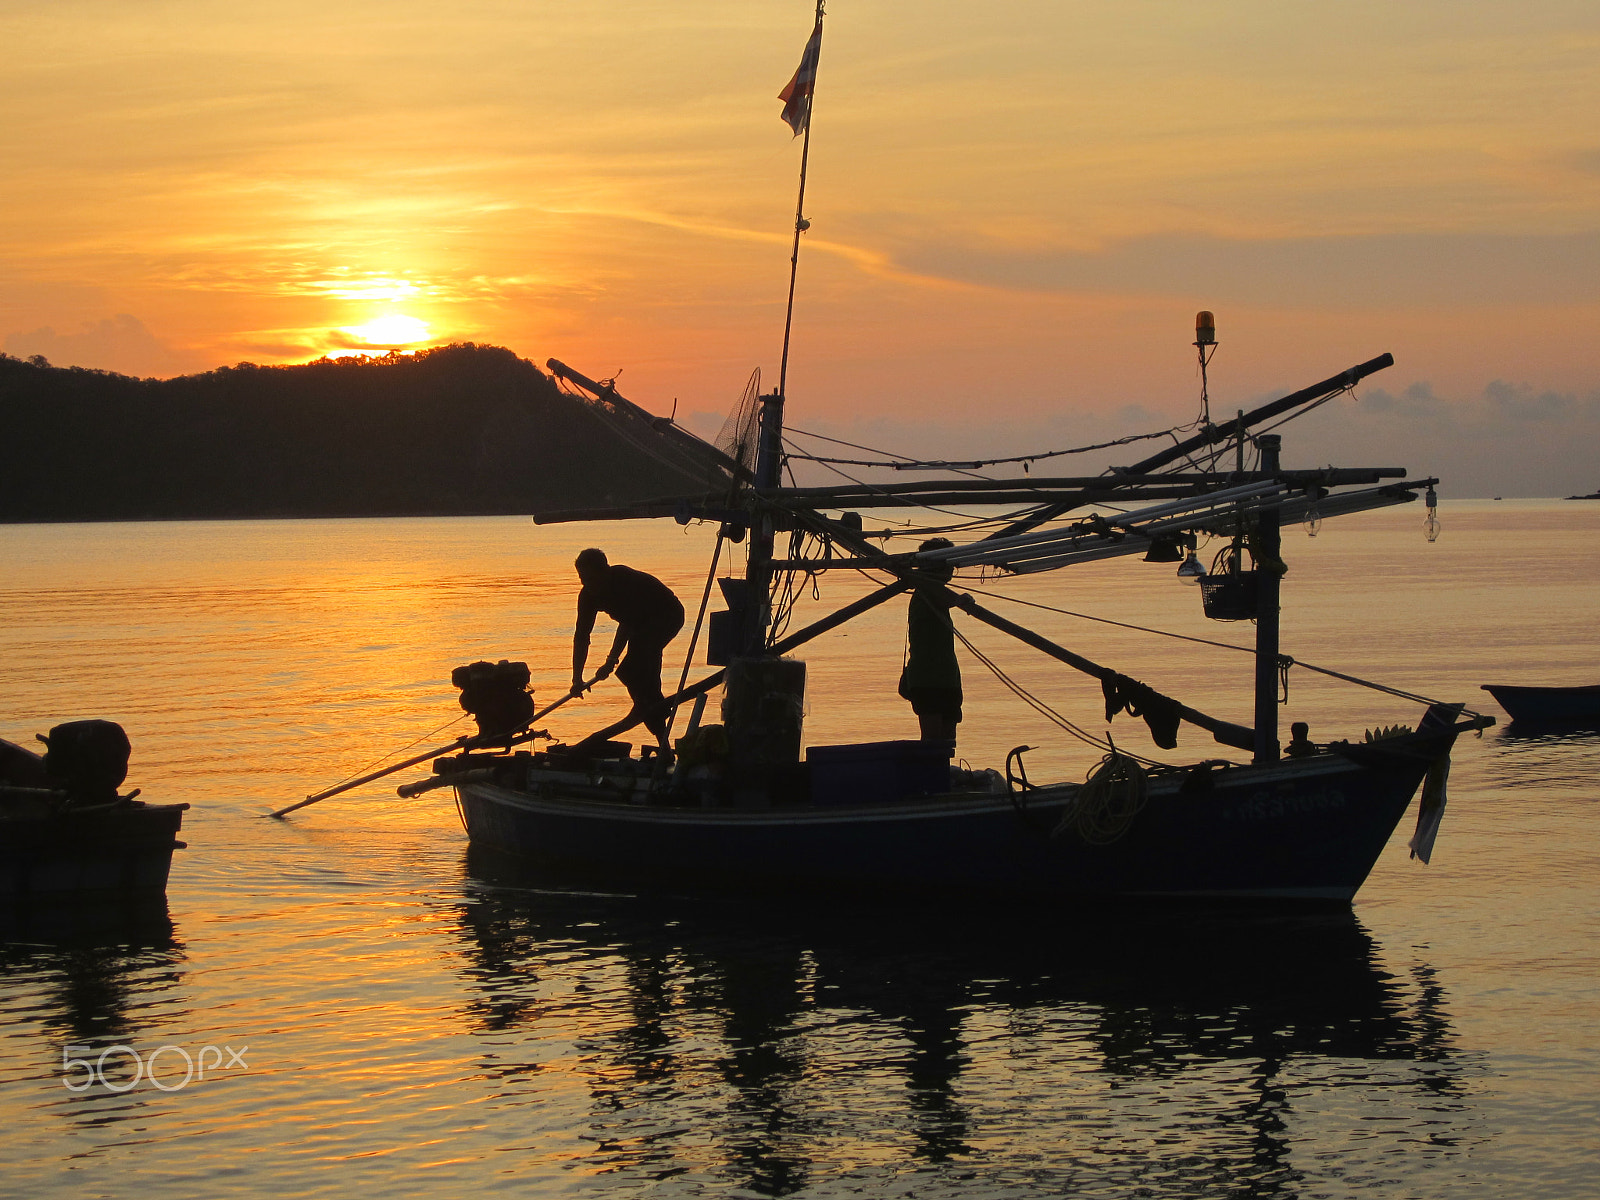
<point x="1105" y="806"/>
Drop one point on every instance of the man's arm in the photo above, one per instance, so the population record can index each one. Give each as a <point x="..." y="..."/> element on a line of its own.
<point x="580" y="644"/>
<point x="618" y="644"/>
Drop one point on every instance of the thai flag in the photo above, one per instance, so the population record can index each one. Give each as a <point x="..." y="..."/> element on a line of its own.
<point x="796" y="95"/>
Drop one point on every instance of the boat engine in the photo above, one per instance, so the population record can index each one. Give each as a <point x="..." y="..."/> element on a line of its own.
<point x="497" y="696"/>
<point x="87" y="759"/>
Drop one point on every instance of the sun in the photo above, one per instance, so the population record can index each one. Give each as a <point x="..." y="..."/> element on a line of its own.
<point x="393" y="329"/>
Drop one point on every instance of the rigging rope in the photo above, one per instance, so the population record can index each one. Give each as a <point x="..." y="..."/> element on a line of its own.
<point x="903" y="463"/>
<point x="890" y="496"/>
<point x="401" y="750"/>
<point x="976" y="523"/>
<point x="1043" y="709"/>
<point x="1285" y="661"/>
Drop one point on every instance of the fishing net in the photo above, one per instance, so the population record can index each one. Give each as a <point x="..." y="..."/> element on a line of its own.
<point x="740" y="431"/>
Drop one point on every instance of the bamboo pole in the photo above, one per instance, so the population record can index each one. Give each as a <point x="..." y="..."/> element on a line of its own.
<point x="466" y="742"/>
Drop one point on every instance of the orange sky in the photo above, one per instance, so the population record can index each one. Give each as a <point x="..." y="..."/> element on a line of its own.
<point x="1016" y="208"/>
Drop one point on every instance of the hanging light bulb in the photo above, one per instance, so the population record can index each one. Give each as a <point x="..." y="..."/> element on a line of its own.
<point x="1313" y="518"/>
<point x="1430" y="524"/>
<point x="1191" y="570"/>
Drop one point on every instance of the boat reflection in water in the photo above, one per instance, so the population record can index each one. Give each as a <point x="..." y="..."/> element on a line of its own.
<point x="101" y="962"/>
<point x="1556" y="761"/>
<point x="765" y="1048"/>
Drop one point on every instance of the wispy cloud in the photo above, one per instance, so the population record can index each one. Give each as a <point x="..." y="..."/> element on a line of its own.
<point x="1382" y="270"/>
<point x="120" y="343"/>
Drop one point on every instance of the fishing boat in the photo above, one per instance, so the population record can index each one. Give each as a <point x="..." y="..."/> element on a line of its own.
<point x="741" y="806"/>
<point x="65" y="831"/>
<point x="1526" y="703"/>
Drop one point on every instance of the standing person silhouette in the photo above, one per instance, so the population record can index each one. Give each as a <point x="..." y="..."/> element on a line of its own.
<point x="648" y="616"/>
<point x="931" y="678"/>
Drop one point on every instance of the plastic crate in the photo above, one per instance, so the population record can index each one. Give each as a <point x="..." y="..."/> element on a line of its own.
<point x="875" y="772"/>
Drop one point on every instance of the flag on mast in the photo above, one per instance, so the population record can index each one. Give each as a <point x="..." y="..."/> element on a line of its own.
<point x="796" y="95"/>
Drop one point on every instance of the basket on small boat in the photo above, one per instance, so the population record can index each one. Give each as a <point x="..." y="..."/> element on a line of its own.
<point x="1230" y="596"/>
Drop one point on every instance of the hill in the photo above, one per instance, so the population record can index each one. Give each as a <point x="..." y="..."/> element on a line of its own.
<point x="461" y="429"/>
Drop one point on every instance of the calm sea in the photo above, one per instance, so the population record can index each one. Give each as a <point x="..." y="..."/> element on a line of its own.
<point x="373" y="1011"/>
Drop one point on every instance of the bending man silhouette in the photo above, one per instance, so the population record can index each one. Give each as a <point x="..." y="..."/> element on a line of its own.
<point x="648" y="616"/>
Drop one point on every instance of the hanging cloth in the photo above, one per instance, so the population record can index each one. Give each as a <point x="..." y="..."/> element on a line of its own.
<point x="1161" y="713"/>
<point x="1430" y="809"/>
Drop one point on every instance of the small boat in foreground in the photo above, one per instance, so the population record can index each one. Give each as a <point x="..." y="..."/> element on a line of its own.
<point x="1547" y="703"/>
<point x="64" y="828"/>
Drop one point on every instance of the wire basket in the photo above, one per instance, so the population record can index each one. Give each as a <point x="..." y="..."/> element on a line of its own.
<point x="1230" y="596"/>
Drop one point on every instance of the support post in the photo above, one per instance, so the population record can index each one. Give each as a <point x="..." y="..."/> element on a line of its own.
<point x="758" y="568"/>
<point x="1268" y="560"/>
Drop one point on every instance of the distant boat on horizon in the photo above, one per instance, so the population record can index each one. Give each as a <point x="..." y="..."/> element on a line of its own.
<point x="1548" y="703"/>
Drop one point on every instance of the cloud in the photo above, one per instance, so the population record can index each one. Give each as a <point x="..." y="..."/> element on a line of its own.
<point x="1381" y="269"/>
<point x="1417" y="402"/>
<point x="121" y="343"/>
<point x="273" y="350"/>
<point x="1496" y="410"/>
<point x="1522" y="403"/>
<point x="1586" y="161"/>
<point x="1507" y="439"/>
<point x="1504" y="439"/>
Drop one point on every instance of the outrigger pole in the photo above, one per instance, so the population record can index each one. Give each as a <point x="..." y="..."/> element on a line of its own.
<point x="1210" y="435"/>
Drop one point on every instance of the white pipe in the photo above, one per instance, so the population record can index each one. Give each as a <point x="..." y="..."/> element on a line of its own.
<point x="1328" y="507"/>
<point x="979" y="553"/>
<point x="1228" y="495"/>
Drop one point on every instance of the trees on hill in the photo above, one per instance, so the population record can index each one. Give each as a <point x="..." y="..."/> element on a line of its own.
<point x="455" y="430"/>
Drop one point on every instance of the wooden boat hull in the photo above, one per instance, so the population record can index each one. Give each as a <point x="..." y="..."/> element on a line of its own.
<point x="1303" y="829"/>
<point x="1547" y="703"/>
<point x="120" y="850"/>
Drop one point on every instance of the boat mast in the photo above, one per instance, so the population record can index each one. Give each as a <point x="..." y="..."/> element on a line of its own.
<point x="1268" y="543"/>
<point x="769" y="455"/>
<point x="814" y="54"/>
